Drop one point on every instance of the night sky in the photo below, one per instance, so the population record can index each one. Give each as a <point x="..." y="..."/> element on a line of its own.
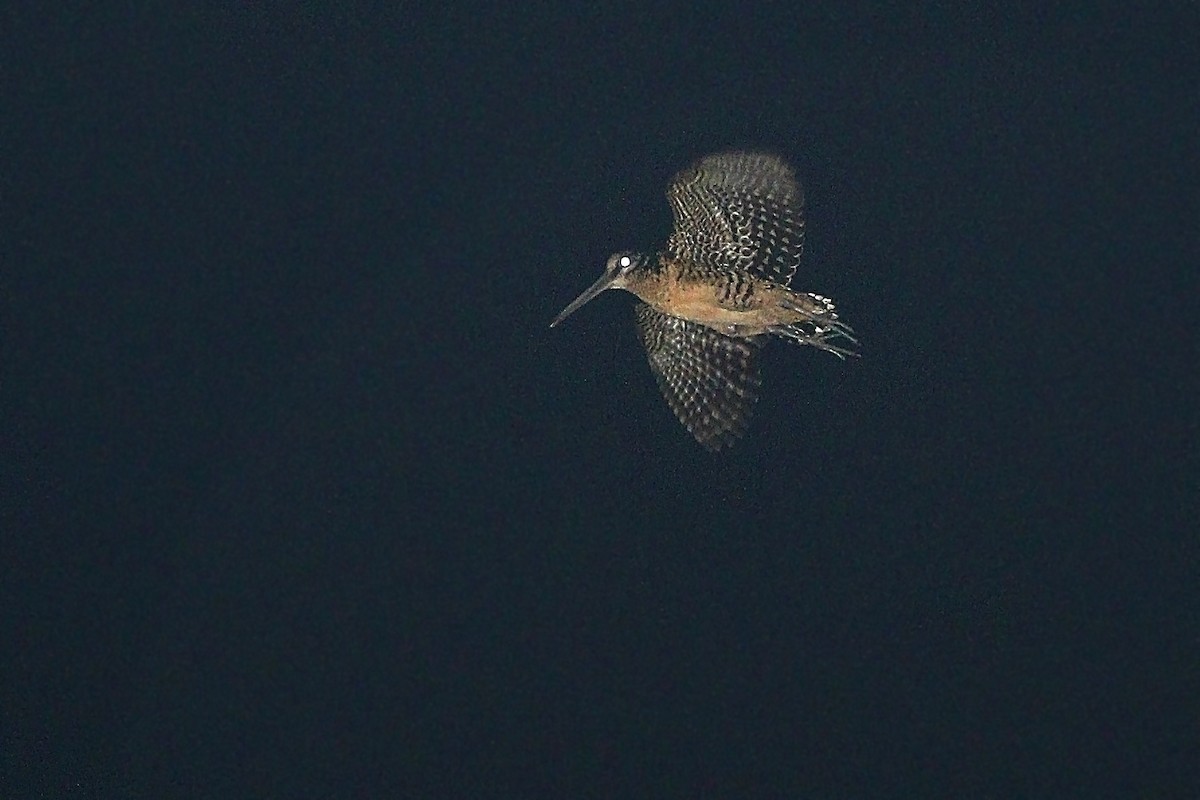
<point x="301" y="497"/>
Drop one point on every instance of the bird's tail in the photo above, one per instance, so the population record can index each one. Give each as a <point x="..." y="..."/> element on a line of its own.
<point x="818" y="325"/>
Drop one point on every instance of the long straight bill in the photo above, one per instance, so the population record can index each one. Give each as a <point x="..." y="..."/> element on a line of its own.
<point x="595" y="289"/>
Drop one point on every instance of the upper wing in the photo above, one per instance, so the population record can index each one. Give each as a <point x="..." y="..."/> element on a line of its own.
<point x="740" y="211"/>
<point x="710" y="380"/>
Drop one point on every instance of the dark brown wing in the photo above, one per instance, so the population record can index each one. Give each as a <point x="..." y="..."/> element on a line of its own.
<point x="739" y="211"/>
<point x="710" y="380"/>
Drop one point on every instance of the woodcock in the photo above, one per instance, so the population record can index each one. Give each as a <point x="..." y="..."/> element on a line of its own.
<point x="721" y="288"/>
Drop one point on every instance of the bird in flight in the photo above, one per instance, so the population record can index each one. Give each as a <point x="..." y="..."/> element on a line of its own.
<point x="721" y="288"/>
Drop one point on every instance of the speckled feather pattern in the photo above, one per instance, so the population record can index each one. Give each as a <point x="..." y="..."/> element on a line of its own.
<point x="709" y="380"/>
<point x="738" y="212"/>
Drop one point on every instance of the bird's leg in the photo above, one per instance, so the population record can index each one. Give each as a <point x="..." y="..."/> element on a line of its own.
<point x="817" y="326"/>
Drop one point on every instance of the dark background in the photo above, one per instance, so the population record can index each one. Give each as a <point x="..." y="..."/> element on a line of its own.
<point x="301" y="498"/>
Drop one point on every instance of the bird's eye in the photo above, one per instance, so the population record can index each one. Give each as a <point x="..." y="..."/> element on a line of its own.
<point x="625" y="262"/>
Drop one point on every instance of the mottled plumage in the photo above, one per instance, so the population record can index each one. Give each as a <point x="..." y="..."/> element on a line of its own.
<point x="709" y="380"/>
<point x="738" y="213"/>
<point x="720" y="287"/>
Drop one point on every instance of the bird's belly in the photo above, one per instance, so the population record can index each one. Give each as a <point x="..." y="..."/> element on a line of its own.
<point x="704" y="311"/>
